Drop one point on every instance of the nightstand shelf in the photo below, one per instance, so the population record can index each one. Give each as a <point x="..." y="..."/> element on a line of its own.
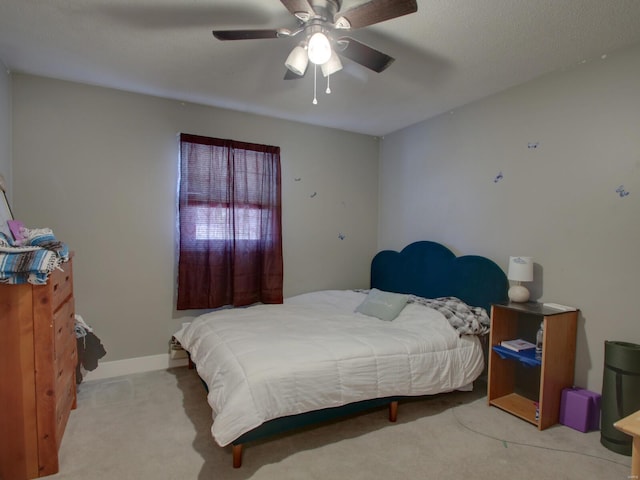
<point x="520" y="384"/>
<point x="526" y="357"/>
<point x="517" y="405"/>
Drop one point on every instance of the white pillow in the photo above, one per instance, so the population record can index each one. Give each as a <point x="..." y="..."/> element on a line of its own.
<point x="383" y="305"/>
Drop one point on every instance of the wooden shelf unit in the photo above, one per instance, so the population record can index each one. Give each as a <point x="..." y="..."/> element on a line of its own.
<point x="38" y="357"/>
<point x="521" y="320"/>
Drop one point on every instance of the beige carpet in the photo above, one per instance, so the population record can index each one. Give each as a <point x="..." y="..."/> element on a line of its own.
<point x="156" y="426"/>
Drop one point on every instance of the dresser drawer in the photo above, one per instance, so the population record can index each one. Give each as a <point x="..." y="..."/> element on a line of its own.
<point x="63" y="407"/>
<point x="65" y="358"/>
<point x="64" y="328"/>
<point x="65" y="365"/>
<point x="61" y="284"/>
<point x="65" y="387"/>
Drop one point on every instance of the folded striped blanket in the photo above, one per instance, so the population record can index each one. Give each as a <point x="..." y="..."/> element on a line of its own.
<point x="34" y="260"/>
<point x="465" y="319"/>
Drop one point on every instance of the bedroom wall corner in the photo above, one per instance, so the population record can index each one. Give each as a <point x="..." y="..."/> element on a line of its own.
<point x="548" y="169"/>
<point x="5" y="129"/>
<point x="99" y="167"/>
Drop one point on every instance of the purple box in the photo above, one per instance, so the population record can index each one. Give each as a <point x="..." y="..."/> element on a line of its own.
<point x="580" y="409"/>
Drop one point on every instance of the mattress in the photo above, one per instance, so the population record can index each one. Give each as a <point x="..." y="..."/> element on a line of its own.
<point x="313" y="352"/>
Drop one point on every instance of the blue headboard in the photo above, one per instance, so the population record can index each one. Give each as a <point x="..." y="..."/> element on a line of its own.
<point x="431" y="270"/>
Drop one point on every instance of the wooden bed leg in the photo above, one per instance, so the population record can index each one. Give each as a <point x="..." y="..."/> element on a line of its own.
<point x="237" y="455"/>
<point x="393" y="411"/>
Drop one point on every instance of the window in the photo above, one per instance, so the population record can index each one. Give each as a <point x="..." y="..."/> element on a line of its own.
<point x="210" y="223"/>
<point x="229" y="215"/>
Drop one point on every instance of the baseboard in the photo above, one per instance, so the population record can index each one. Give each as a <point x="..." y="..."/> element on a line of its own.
<point x="128" y="366"/>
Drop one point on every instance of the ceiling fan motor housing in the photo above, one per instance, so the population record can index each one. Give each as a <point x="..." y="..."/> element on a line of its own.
<point x="325" y="9"/>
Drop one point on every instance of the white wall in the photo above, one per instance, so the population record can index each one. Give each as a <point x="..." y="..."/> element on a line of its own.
<point x="5" y="127"/>
<point x="99" y="167"/>
<point x="557" y="202"/>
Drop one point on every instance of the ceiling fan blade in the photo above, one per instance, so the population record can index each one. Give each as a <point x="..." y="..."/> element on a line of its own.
<point x="244" y="34"/>
<point x="293" y="76"/>
<point x="363" y="54"/>
<point x="375" y="11"/>
<point x="298" y="6"/>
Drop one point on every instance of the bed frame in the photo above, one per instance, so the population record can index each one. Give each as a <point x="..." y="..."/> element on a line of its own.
<point x="424" y="268"/>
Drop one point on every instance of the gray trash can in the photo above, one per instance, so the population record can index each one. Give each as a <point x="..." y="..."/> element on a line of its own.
<point x="620" y="392"/>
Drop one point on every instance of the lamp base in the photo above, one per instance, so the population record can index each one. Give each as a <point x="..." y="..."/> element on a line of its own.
<point x="518" y="294"/>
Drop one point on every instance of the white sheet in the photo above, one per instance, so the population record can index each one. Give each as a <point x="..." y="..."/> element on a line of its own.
<point x="313" y="352"/>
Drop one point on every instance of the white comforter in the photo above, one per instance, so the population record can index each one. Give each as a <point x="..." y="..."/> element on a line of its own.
<point x="313" y="352"/>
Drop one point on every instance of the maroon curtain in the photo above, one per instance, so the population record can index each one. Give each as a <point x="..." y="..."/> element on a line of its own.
<point x="230" y="223"/>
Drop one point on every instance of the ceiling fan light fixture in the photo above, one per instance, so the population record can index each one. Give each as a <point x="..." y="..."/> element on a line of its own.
<point x="332" y="66"/>
<point x="283" y="32"/>
<point x="319" y="48"/>
<point x="342" y="23"/>
<point x="302" y="16"/>
<point x="297" y="60"/>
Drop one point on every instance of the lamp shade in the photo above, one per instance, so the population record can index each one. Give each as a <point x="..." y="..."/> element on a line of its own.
<point x="297" y="60"/>
<point x="319" y="48"/>
<point x="520" y="269"/>
<point x="332" y="66"/>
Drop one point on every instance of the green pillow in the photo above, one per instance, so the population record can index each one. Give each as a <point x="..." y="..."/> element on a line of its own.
<point x="383" y="305"/>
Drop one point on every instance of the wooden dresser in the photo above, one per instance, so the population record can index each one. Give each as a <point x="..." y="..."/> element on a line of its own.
<point x="38" y="359"/>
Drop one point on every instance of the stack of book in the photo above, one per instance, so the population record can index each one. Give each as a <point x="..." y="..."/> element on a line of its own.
<point x="517" y="345"/>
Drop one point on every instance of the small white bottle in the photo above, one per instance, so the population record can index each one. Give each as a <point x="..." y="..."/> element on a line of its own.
<point x="539" y="338"/>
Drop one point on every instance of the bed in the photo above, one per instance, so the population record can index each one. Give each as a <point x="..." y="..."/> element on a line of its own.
<point x="329" y="354"/>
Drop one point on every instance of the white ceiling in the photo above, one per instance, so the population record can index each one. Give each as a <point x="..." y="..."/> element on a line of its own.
<point x="449" y="53"/>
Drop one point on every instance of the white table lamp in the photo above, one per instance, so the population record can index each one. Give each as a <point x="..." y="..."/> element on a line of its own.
<point x="520" y="270"/>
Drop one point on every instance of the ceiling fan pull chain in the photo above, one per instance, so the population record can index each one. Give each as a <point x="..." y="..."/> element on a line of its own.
<point x="315" y="76"/>
<point x="328" y="90"/>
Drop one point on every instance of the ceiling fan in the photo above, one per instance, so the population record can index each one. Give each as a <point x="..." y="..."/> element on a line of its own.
<point x="321" y="23"/>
